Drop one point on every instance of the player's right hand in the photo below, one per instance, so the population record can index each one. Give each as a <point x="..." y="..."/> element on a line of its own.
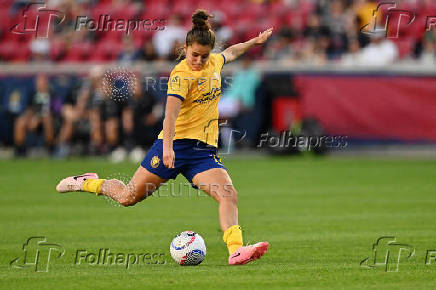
<point x="168" y="158"/>
<point x="263" y="36"/>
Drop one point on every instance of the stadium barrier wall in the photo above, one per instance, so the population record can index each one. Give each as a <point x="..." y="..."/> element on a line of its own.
<point x="393" y="103"/>
<point x="378" y="107"/>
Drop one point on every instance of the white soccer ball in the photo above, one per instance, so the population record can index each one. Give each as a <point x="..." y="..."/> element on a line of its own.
<point x="188" y="248"/>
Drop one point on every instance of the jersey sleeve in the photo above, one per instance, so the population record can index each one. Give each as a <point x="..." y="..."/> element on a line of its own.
<point x="178" y="85"/>
<point x="221" y="60"/>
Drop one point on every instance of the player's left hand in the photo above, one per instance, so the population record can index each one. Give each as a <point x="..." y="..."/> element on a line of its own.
<point x="263" y="36"/>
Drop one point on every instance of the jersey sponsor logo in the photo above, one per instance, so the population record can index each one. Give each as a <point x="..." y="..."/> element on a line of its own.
<point x="155" y="161"/>
<point x="207" y="97"/>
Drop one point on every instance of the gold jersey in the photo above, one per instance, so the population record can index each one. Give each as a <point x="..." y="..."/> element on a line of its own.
<point x="200" y="92"/>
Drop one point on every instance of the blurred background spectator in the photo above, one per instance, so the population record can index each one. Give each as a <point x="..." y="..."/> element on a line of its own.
<point x="239" y="103"/>
<point x="38" y="116"/>
<point x="167" y="40"/>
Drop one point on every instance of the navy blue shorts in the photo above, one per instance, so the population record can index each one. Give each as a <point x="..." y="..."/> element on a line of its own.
<point x="192" y="157"/>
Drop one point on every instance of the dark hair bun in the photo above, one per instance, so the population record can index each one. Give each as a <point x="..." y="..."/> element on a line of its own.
<point x="199" y="20"/>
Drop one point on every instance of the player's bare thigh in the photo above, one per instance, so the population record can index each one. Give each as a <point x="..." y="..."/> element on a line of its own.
<point x="216" y="182"/>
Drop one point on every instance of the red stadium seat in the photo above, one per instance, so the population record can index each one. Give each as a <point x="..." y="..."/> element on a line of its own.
<point x="130" y="11"/>
<point x="208" y="5"/>
<point x="230" y="9"/>
<point x="184" y="8"/>
<point x="57" y="50"/>
<point x="405" y="46"/>
<point x="12" y="50"/>
<point x="23" y="54"/>
<point x="106" y="51"/>
<point x="156" y="9"/>
<point x="102" y="9"/>
<point x="140" y="36"/>
<point x="6" y="3"/>
<point x="79" y="52"/>
<point x="5" y="20"/>
<point x="416" y="29"/>
<point x="7" y="49"/>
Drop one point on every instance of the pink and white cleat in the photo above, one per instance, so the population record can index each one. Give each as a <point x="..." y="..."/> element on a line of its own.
<point x="74" y="183"/>
<point x="247" y="254"/>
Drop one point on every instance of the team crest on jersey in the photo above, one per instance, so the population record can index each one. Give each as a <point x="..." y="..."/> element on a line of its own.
<point x="175" y="83"/>
<point x="155" y="161"/>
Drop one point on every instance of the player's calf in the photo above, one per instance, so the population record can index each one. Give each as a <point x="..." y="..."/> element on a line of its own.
<point x="125" y="195"/>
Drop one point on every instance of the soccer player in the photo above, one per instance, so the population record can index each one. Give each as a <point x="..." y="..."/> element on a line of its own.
<point x="188" y="142"/>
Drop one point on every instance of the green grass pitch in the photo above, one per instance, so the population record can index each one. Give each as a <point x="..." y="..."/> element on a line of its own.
<point x="321" y="216"/>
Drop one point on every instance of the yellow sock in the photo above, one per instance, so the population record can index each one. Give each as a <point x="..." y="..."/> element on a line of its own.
<point x="93" y="185"/>
<point x="233" y="238"/>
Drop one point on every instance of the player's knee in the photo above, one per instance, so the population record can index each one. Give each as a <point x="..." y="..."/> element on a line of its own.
<point x="228" y="194"/>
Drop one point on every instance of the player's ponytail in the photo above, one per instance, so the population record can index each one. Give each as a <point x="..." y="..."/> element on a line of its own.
<point x="201" y="31"/>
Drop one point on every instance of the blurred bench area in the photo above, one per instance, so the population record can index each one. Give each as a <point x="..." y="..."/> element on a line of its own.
<point x="57" y="112"/>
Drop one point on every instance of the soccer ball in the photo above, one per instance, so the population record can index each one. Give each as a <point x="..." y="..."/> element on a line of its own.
<point x="188" y="249"/>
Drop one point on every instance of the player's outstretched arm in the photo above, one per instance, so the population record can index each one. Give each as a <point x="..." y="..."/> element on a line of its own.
<point x="235" y="51"/>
